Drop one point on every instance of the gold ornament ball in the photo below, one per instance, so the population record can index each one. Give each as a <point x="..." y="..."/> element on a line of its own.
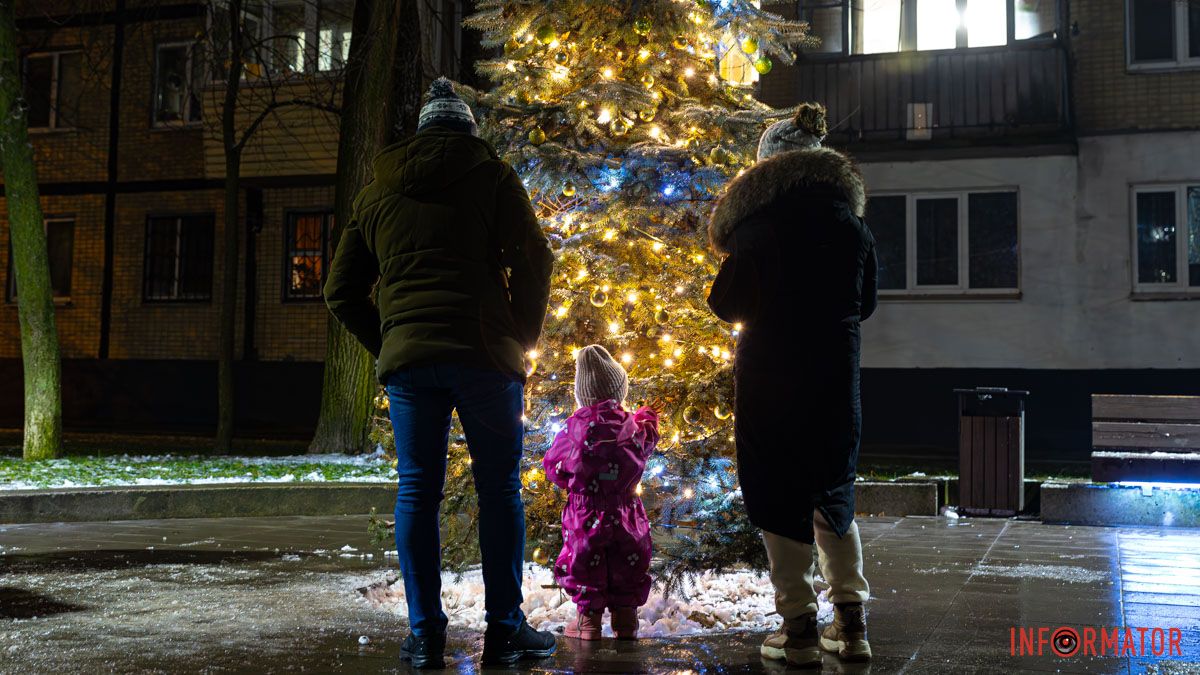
<point x="537" y="136"/>
<point x="718" y="155"/>
<point x="568" y="189"/>
<point x="722" y="411"/>
<point x="540" y="556"/>
<point x="691" y="415"/>
<point x="681" y="42"/>
<point x="763" y="65"/>
<point x="620" y="126"/>
<point x="642" y="26"/>
<point x="599" y="297"/>
<point x="661" y="316"/>
<point x="561" y="58"/>
<point x="749" y="44"/>
<point x="647" y="114"/>
<point x="545" y="34"/>
<point x="647" y="80"/>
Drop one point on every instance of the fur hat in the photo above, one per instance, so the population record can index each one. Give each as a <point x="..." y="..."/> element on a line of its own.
<point x="804" y="130"/>
<point x="598" y="377"/>
<point x="445" y="109"/>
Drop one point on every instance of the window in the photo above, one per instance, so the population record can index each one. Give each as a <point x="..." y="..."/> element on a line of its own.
<point x="306" y="246"/>
<point x="1167" y="238"/>
<point x="885" y="26"/>
<point x="52" y="89"/>
<point x="60" y="245"/>
<point x="1163" y="33"/>
<point x="179" y="258"/>
<point x="177" y="81"/>
<point x="289" y="36"/>
<point x="254" y="14"/>
<point x="735" y="65"/>
<point x="956" y="243"/>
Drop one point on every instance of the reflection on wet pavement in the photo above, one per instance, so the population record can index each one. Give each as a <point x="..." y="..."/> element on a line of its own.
<point x="278" y="594"/>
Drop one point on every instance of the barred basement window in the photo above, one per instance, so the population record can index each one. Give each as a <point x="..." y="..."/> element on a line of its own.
<point x="1166" y="233"/>
<point x="179" y="258"/>
<point x="60" y="245"/>
<point x="52" y="89"/>
<point x="306" y="247"/>
<point x="937" y="244"/>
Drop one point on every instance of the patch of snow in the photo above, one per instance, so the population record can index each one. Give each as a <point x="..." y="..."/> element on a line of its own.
<point x="1069" y="573"/>
<point x="347" y="547"/>
<point x="733" y="601"/>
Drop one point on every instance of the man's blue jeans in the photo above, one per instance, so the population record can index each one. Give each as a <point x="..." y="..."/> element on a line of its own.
<point x="489" y="406"/>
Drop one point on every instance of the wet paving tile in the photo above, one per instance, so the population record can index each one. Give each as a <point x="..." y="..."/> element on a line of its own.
<point x="251" y="595"/>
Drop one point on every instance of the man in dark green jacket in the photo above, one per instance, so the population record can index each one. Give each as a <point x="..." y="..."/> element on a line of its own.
<point x="446" y="237"/>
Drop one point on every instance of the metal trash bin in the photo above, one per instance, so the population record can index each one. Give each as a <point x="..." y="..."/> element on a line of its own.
<point x="991" y="451"/>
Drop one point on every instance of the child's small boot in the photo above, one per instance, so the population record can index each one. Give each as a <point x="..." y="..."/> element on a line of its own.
<point x="585" y="626"/>
<point x="624" y="622"/>
<point x="847" y="635"/>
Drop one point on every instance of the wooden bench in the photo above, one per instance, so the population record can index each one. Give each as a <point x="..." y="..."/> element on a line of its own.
<point x="1145" y="438"/>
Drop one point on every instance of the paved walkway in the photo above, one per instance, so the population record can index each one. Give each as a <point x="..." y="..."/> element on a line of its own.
<point x="278" y="595"/>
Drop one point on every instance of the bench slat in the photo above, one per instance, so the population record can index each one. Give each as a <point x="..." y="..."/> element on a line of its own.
<point x="1146" y="435"/>
<point x="1145" y="408"/>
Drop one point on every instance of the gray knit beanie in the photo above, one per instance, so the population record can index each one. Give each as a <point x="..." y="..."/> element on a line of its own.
<point x="598" y="377"/>
<point x="445" y="109"/>
<point x="804" y="131"/>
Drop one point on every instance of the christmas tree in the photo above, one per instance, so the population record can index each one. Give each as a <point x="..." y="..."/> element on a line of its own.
<point x="625" y="119"/>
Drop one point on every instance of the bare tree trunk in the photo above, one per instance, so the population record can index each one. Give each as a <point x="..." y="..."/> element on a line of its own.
<point x="39" y="336"/>
<point x="232" y="239"/>
<point x="382" y="91"/>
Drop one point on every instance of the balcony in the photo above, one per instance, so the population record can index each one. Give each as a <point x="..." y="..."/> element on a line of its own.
<point x="1006" y="95"/>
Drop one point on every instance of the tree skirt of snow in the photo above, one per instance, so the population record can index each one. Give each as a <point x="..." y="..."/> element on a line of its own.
<point x="733" y="601"/>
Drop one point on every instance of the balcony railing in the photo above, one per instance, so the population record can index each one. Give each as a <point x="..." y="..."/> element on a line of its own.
<point x="1008" y="92"/>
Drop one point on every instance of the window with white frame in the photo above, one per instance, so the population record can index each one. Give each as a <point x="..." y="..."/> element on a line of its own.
<point x="288" y="36"/>
<point x="60" y="247"/>
<point x="52" y="89"/>
<point x="1166" y="233"/>
<point x="1163" y="33"/>
<point x="178" y="78"/>
<point x="958" y="242"/>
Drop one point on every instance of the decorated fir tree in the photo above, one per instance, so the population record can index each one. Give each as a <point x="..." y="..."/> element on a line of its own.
<point x="625" y="119"/>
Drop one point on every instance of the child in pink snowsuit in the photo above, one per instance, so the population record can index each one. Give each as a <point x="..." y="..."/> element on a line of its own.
<point x="599" y="458"/>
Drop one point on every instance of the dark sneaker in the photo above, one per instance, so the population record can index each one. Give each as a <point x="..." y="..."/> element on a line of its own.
<point x="425" y="651"/>
<point x="796" y="642"/>
<point x="847" y="635"/>
<point x="523" y="643"/>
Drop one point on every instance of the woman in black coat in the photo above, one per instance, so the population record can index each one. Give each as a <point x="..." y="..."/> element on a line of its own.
<point x="799" y="276"/>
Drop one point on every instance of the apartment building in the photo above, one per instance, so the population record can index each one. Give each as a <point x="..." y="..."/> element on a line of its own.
<point x="124" y="104"/>
<point x="1035" y="196"/>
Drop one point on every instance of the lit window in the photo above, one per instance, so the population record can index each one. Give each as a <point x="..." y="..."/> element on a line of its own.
<point x="306" y="242"/>
<point x="60" y="245"/>
<point x="937" y="24"/>
<point x="987" y="23"/>
<point x="291" y="30"/>
<point x="734" y="65"/>
<point x="177" y="80"/>
<point x="333" y="34"/>
<point x="1167" y="255"/>
<point x="880" y="26"/>
<point x="52" y="89"/>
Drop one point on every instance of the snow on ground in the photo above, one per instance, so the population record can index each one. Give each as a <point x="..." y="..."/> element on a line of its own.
<point x="1071" y="574"/>
<point x="126" y="470"/>
<point x="714" y="603"/>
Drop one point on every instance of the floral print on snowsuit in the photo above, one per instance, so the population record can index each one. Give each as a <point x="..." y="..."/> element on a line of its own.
<point x="598" y="459"/>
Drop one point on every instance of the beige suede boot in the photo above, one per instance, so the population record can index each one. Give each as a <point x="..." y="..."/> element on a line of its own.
<point x="585" y="626"/>
<point x="847" y="635"/>
<point x="796" y="642"/>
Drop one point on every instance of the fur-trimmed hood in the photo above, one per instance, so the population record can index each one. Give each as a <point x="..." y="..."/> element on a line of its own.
<point x="770" y="179"/>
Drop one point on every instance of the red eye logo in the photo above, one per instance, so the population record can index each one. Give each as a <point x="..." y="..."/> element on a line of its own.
<point x="1064" y="642"/>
